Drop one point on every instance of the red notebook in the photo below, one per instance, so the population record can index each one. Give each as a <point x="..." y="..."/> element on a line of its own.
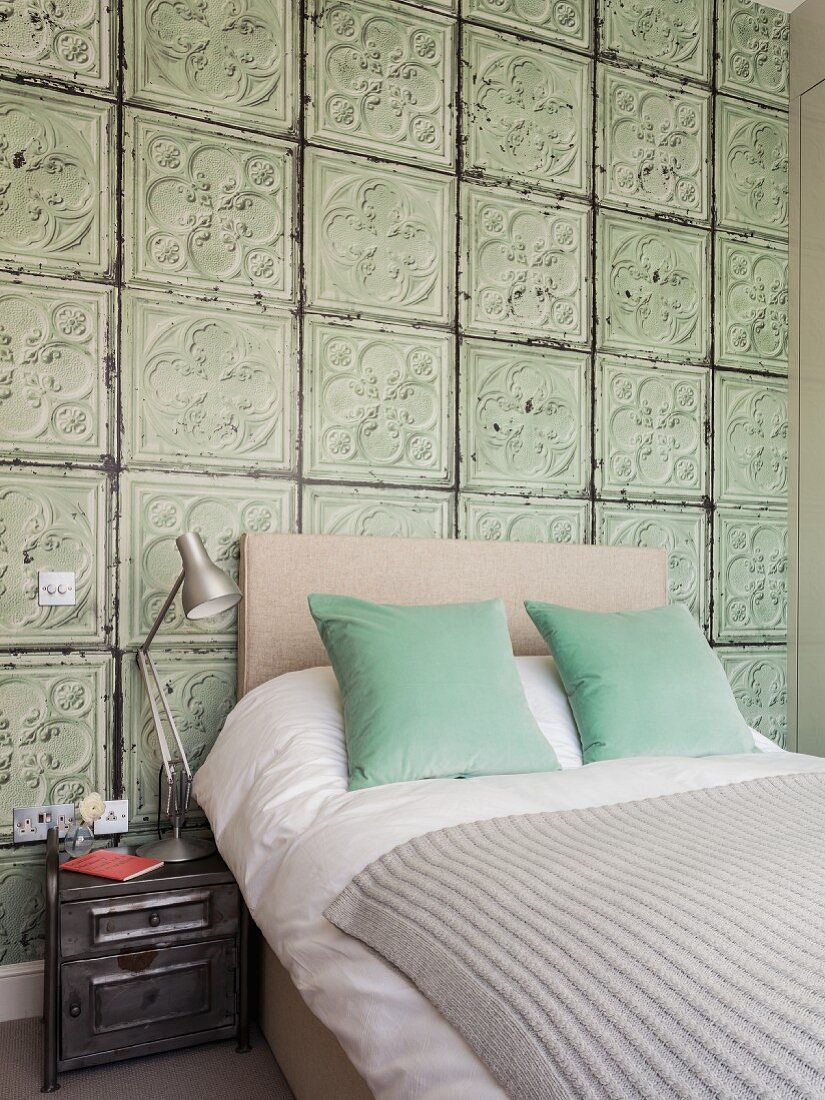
<point x="114" y="865"/>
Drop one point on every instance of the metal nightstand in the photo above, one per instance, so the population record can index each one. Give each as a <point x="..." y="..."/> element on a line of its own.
<point x="139" y="967"/>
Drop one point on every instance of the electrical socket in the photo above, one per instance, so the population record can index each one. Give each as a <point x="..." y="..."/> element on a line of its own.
<point x="31" y="823"/>
<point x="115" y="817"/>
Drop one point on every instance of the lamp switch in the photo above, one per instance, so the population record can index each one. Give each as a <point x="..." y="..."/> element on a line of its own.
<point x="55" y="589"/>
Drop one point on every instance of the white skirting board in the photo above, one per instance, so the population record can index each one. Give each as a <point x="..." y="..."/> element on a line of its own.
<point x="21" y="991"/>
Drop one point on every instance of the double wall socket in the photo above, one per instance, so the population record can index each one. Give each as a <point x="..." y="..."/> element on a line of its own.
<point x="33" y="822"/>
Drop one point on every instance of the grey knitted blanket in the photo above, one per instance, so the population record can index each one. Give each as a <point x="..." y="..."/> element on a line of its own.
<point x="671" y="947"/>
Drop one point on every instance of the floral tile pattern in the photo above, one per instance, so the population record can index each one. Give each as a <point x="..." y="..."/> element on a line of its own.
<point x="201" y="691"/>
<point x="396" y="513"/>
<point x="751" y="168"/>
<point x="378" y="403"/>
<point x="650" y="430"/>
<point x="525" y="266"/>
<point x="381" y="80"/>
<point x="682" y="532"/>
<point x="524" y="413"/>
<point x="71" y="41"/>
<point x="497" y="269"/>
<point x="53" y="519"/>
<point x="208" y="386"/>
<point x="56" y="183"/>
<point x="524" y="520"/>
<point x="568" y="22"/>
<point x="751" y="566"/>
<point x="51" y="709"/>
<point x="654" y="139"/>
<point x="759" y="682"/>
<point x="751" y="305"/>
<point x="156" y="509"/>
<point x="654" y="289"/>
<point x="227" y="62"/>
<point x="22" y="908"/>
<point x="527" y="111"/>
<point x="208" y="210"/>
<point x="671" y="34"/>
<point x="53" y="394"/>
<point x="754" y="51"/>
<point x="378" y="239"/>
<point x="751" y="440"/>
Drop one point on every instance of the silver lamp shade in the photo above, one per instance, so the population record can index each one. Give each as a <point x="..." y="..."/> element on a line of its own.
<point x="207" y="590"/>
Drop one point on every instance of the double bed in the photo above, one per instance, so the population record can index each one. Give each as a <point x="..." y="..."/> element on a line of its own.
<point x="341" y="1020"/>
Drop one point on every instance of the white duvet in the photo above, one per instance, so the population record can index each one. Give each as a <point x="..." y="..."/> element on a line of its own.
<point x="274" y="789"/>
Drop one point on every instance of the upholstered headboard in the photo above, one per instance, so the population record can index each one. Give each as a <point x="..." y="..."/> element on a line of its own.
<point x="276" y="633"/>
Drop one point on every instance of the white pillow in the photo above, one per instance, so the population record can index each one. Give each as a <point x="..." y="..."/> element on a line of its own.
<point x="547" y="700"/>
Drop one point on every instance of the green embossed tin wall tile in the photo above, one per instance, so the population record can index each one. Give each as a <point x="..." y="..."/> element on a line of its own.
<point x="751" y="440"/>
<point x="524" y="419"/>
<point x="754" y="51"/>
<point x="378" y="239"/>
<point x="227" y="62"/>
<point x="525" y="266"/>
<point x="752" y="304"/>
<point x="682" y="531"/>
<point x="72" y="42"/>
<point x="750" y="575"/>
<point x="751" y="168"/>
<point x="208" y="386"/>
<point x="402" y="110"/>
<point x="524" y="520"/>
<point x="527" y="112"/>
<point x="54" y="340"/>
<point x="22" y="908"/>
<point x="650" y="430"/>
<point x="759" y="681"/>
<point x="58" y="520"/>
<point x="156" y="509"/>
<point x="654" y="145"/>
<point x="568" y="22"/>
<point x="200" y="687"/>
<point x="56" y="181"/>
<point x="378" y="403"/>
<point x="208" y="209"/>
<point x="54" y="718"/>
<point x="402" y="513"/>
<point x="654" y="288"/>
<point x="675" y="35"/>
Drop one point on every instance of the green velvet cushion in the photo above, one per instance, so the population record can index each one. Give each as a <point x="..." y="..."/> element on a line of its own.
<point x="428" y="692"/>
<point x="642" y="683"/>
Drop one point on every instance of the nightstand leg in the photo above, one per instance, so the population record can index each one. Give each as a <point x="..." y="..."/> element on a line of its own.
<point x="243" y="982"/>
<point x="50" y="975"/>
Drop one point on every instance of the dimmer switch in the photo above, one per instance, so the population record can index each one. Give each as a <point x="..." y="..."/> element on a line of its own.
<point x="55" y="588"/>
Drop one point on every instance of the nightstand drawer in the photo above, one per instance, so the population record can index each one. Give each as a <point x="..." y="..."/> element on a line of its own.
<point x="108" y="925"/>
<point x="141" y="996"/>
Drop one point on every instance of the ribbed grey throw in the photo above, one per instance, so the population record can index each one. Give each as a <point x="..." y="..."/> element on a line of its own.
<point x="671" y="947"/>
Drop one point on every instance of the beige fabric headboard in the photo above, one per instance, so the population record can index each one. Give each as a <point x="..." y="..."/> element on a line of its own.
<point x="276" y="632"/>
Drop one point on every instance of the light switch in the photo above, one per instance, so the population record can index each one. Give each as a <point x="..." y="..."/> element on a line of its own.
<point x="55" y="588"/>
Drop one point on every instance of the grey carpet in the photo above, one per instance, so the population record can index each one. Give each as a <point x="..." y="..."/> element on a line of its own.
<point x="211" y="1072"/>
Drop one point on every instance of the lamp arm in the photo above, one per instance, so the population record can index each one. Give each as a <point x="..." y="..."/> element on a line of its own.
<point x="157" y="721"/>
<point x="178" y="743"/>
<point x="161" y="615"/>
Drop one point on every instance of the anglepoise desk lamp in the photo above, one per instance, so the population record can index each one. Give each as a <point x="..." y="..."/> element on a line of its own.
<point x="207" y="590"/>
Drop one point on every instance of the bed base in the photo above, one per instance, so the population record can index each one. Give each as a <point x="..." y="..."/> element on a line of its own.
<point x="310" y="1057"/>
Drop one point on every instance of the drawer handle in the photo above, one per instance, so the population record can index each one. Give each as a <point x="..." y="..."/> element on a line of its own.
<point x="154" y="919"/>
<point x="74" y="1009"/>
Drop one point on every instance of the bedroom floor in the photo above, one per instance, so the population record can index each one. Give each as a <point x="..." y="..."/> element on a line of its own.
<point x="212" y="1072"/>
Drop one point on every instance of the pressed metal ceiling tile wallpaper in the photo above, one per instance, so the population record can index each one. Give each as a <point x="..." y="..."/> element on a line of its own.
<point x="497" y="269"/>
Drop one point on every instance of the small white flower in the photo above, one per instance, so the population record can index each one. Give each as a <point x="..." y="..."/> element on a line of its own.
<point x="91" y="808"/>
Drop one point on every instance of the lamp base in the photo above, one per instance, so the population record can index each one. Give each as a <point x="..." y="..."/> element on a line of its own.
<point x="177" y="849"/>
